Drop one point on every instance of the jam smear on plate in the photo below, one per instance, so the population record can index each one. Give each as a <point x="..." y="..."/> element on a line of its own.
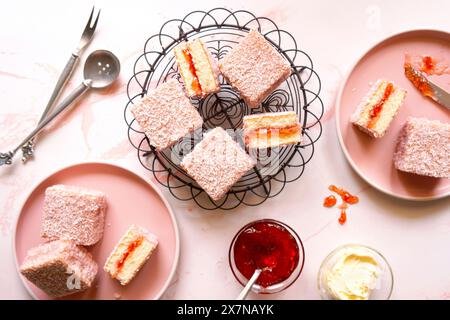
<point x="432" y="66"/>
<point x="427" y="65"/>
<point x="268" y="246"/>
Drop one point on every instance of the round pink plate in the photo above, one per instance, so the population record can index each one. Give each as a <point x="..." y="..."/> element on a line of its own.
<point x="131" y="200"/>
<point x="372" y="158"/>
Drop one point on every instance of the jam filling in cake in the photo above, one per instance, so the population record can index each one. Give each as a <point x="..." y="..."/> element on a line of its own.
<point x="376" y="110"/>
<point x="195" y="84"/>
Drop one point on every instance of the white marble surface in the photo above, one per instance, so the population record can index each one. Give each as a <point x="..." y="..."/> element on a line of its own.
<point x="36" y="38"/>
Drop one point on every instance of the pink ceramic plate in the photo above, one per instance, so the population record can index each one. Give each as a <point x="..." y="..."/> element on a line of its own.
<point x="372" y="158"/>
<point x="130" y="200"/>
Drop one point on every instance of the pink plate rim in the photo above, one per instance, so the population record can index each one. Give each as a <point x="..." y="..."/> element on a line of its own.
<point x="148" y="182"/>
<point x="338" y="126"/>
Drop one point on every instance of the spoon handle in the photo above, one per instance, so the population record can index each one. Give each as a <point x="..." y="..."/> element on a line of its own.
<point x="82" y="88"/>
<point x="249" y="285"/>
<point x="65" y="75"/>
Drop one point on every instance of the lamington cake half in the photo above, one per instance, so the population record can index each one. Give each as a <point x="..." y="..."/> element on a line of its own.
<point x="73" y="213"/>
<point x="130" y="254"/>
<point x="423" y="148"/>
<point x="197" y="68"/>
<point x="216" y="163"/>
<point x="166" y="115"/>
<point x="59" y="268"/>
<point x="254" y="68"/>
<point x="378" y="108"/>
<point x="268" y="130"/>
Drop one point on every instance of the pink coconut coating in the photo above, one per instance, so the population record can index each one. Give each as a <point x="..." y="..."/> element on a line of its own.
<point x="166" y="115"/>
<point x="423" y="148"/>
<point x="59" y="268"/>
<point x="254" y="68"/>
<point x="73" y="213"/>
<point x="217" y="162"/>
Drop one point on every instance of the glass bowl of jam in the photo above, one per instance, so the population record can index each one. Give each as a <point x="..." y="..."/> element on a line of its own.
<point x="271" y="246"/>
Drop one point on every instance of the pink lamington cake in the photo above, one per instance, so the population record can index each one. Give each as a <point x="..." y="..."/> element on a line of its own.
<point x="254" y="68"/>
<point x="423" y="148"/>
<point x="166" y="115"/>
<point x="73" y="213"/>
<point x="217" y="162"/>
<point x="59" y="268"/>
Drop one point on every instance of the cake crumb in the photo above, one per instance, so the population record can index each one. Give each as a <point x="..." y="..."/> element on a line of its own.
<point x="353" y="89"/>
<point x="117" y="296"/>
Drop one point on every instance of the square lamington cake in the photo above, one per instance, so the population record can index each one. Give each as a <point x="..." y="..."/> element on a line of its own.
<point x="217" y="162"/>
<point x="166" y="115"/>
<point x="73" y="213"/>
<point x="423" y="148"/>
<point x="254" y="68"/>
<point x="59" y="268"/>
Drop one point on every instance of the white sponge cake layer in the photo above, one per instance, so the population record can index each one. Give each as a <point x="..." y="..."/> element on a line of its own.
<point x="197" y="68"/>
<point x="362" y="117"/>
<point x="130" y="254"/>
<point x="273" y="129"/>
<point x="204" y="66"/>
<point x="184" y="66"/>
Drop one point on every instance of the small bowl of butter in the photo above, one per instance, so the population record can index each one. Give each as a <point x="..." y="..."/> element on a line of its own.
<point x="355" y="272"/>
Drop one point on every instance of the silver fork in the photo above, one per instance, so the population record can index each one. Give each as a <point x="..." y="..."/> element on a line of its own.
<point x="86" y="37"/>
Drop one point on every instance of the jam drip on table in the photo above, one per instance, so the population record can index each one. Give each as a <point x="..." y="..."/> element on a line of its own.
<point x="269" y="247"/>
<point x="131" y="248"/>
<point x="345" y="195"/>
<point x="343" y="217"/>
<point x="195" y="82"/>
<point x="347" y="198"/>
<point x="376" y="110"/>
<point x="329" y="201"/>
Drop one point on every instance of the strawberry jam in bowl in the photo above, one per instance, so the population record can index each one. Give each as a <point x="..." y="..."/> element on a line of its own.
<point x="271" y="246"/>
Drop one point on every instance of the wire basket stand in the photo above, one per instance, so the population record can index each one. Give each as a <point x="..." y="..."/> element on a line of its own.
<point x="220" y="29"/>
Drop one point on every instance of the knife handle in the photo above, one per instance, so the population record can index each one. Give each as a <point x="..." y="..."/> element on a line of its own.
<point x="65" y="75"/>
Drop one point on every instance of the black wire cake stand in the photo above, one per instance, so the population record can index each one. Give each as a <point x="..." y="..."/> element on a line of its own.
<point x="220" y="29"/>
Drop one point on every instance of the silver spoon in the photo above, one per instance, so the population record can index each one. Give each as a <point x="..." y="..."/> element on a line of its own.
<point x="249" y="285"/>
<point x="101" y="69"/>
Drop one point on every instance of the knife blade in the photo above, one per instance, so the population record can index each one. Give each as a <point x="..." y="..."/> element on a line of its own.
<point x="426" y="87"/>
